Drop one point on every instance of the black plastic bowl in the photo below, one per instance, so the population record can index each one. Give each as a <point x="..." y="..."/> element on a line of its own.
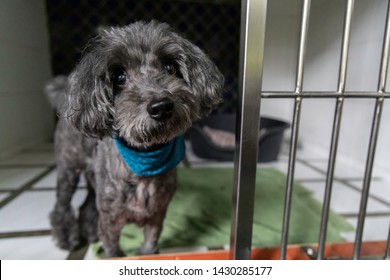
<point x="270" y="141"/>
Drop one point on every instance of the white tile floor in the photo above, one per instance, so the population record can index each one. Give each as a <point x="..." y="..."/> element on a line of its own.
<point x="26" y="198"/>
<point x="345" y="200"/>
<point x="14" y="178"/>
<point x="49" y="181"/>
<point x="29" y="211"/>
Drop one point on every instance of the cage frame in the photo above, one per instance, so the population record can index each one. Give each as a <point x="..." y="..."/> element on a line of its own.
<point x="253" y="27"/>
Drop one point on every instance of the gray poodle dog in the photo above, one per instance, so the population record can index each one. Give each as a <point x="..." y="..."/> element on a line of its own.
<point x="123" y="112"/>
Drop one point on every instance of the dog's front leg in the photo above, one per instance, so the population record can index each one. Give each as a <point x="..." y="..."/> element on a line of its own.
<point x="109" y="232"/>
<point x="88" y="217"/>
<point x="152" y="232"/>
<point x="164" y="187"/>
<point x="63" y="221"/>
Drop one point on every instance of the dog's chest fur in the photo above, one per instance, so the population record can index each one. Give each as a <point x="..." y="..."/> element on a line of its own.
<point x="136" y="199"/>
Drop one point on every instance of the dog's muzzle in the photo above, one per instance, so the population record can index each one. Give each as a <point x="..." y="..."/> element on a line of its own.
<point x="161" y="109"/>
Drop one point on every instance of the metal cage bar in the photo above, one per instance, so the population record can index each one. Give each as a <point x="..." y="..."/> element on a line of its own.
<point x="345" y="45"/>
<point x="290" y="177"/>
<point x="336" y="128"/>
<point x="248" y="121"/>
<point x="324" y="94"/>
<point x="367" y="177"/>
<point x="387" y="254"/>
<point x="373" y="138"/>
<point x="295" y="128"/>
<point x="252" y="46"/>
<point x="302" y="45"/>
<point x="385" y="54"/>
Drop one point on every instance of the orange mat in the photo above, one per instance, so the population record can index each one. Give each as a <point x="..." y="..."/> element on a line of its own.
<point x="294" y="252"/>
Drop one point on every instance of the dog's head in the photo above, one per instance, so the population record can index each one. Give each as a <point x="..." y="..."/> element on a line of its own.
<point x="142" y="82"/>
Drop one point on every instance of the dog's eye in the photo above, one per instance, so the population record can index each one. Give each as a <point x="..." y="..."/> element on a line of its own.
<point x="119" y="77"/>
<point x="170" y="68"/>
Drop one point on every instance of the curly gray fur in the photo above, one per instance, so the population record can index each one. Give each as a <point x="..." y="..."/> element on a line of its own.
<point x="155" y="64"/>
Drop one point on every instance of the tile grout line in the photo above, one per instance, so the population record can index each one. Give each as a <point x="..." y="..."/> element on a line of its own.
<point x="78" y="254"/>
<point x="51" y="188"/>
<point x="370" y="195"/>
<point x="26" y="186"/>
<point x="371" y="215"/>
<point x="5" y="191"/>
<point x="311" y="180"/>
<point x="32" y="233"/>
<point x="345" y="182"/>
<point x="337" y="178"/>
<point x="42" y="150"/>
<point x="320" y="180"/>
<point x="32" y="165"/>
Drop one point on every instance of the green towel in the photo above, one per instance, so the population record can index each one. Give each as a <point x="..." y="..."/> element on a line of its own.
<point x="200" y="212"/>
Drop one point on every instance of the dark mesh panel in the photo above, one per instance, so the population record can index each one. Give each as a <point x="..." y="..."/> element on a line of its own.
<point x="212" y="25"/>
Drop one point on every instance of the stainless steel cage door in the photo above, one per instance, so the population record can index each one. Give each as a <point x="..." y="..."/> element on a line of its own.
<point x="253" y="29"/>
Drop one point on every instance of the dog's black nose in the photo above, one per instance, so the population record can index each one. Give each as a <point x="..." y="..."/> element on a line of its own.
<point x="160" y="110"/>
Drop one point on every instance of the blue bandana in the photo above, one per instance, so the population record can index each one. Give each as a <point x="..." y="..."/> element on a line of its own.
<point x="151" y="163"/>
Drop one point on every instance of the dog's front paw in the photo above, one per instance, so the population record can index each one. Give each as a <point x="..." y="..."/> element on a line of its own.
<point x="88" y="224"/>
<point x="113" y="253"/>
<point x="148" y="250"/>
<point x="65" y="229"/>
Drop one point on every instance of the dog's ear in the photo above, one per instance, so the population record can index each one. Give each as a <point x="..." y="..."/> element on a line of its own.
<point x="90" y="107"/>
<point x="204" y="78"/>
